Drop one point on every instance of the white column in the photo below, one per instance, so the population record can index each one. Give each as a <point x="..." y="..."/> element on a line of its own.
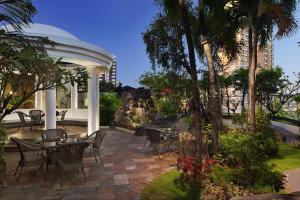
<point x="98" y="103"/>
<point x="74" y="96"/>
<point x="92" y="100"/>
<point x="50" y="108"/>
<point x="38" y="100"/>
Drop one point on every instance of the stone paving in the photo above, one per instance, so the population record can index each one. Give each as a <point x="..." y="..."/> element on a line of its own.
<point x="128" y="167"/>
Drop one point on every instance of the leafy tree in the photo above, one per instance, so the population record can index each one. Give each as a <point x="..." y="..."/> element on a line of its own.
<point x="202" y="33"/>
<point x="169" y="42"/>
<point x="275" y="89"/>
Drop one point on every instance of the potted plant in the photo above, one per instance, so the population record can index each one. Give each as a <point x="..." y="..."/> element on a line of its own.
<point x="3" y="178"/>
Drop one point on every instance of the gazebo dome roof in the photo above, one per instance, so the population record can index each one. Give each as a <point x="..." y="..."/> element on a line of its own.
<point x="44" y="30"/>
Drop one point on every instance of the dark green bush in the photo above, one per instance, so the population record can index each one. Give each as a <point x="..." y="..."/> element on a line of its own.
<point x="242" y="161"/>
<point x="265" y="134"/>
<point x="109" y="104"/>
<point x="258" y="178"/>
<point x="240" y="149"/>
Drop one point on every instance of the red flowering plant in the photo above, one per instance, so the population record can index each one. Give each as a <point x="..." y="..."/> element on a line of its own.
<point x="189" y="170"/>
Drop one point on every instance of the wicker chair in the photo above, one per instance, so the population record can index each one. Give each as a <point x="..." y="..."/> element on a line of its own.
<point x="36" y="118"/>
<point x="94" y="149"/>
<point x="23" y="122"/>
<point x="69" y="157"/>
<point x="25" y="161"/>
<point x="155" y="139"/>
<point x="62" y="116"/>
<point x="54" y="135"/>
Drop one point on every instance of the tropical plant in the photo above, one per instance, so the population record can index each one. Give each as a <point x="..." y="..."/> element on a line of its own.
<point x="109" y="104"/>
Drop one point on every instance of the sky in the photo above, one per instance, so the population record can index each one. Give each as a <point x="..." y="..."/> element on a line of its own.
<point x="116" y="25"/>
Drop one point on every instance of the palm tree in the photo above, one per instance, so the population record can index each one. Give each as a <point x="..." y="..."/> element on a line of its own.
<point x="260" y="17"/>
<point x="17" y="13"/>
<point x="216" y="29"/>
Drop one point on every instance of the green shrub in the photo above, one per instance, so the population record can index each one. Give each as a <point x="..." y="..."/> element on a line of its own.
<point x="109" y="104"/>
<point x="257" y="178"/>
<point x="265" y="134"/>
<point x="239" y="149"/>
<point x="243" y="161"/>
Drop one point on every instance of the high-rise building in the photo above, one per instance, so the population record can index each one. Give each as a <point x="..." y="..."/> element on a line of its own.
<point x="265" y="56"/>
<point x="113" y="74"/>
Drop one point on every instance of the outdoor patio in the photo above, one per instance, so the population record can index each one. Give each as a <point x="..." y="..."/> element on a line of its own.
<point x="128" y="167"/>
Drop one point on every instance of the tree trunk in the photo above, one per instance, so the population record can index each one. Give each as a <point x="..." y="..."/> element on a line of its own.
<point x="243" y="102"/>
<point x="251" y="77"/>
<point x="214" y="95"/>
<point x="195" y="86"/>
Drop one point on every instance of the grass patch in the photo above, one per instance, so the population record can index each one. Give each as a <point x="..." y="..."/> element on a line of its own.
<point x="287" y="158"/>
<point x="169" y="187"/>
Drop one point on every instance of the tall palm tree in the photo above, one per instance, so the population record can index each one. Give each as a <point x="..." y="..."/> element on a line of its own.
<point x="17" y="13"/>
<point x="260" y="17"/>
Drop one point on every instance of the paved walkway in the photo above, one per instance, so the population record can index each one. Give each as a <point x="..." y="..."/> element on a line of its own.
<point x="128" y="167"/>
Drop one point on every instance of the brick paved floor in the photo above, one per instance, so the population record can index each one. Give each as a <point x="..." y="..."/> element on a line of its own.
<point x="128" y="167"/>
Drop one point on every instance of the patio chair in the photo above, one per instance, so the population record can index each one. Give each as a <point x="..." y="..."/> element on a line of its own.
<point x="156" y="141"/>
<point x="69" y="156"/>
<point x="141" y="131"/>
<point x="25" y="161"/>
<point x="23" y="122"/>
<point x="62" y="116"/>
<point x="95" y="149"/>
<point x="36" y="118"/>
<point x="54" y="135"/>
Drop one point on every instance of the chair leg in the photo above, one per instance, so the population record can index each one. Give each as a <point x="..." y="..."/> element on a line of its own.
<point x="96" y="158"/>
<point x="145" y="142"/>
<point x="20" y="172"/>
<point x="100" y="158"/>
<point x="61" y="177"/>
<point x="17" y="169"/>
<point x="82" y="170"/>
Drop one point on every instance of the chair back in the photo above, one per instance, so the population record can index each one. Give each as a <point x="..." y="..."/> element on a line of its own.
<point x="54" y="135"/>
<point x="100" y="134"/>
<point x="21" y="116"/>
<point x="141" y="131"/>
<point x="154" y="136"/>
<point x="63" y="115"/>
<point x="36" y="115"/>
<point x="70" y="153"/>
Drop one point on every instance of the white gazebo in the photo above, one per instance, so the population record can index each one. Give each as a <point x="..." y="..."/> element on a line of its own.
<point x="76" y="53"/>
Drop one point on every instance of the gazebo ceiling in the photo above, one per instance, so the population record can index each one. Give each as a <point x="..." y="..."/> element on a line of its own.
<point x="70" y="48"/>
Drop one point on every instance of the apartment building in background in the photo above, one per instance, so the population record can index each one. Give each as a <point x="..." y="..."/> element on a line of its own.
<point x="265" y="56"/>
<point x="111" y="76"/>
